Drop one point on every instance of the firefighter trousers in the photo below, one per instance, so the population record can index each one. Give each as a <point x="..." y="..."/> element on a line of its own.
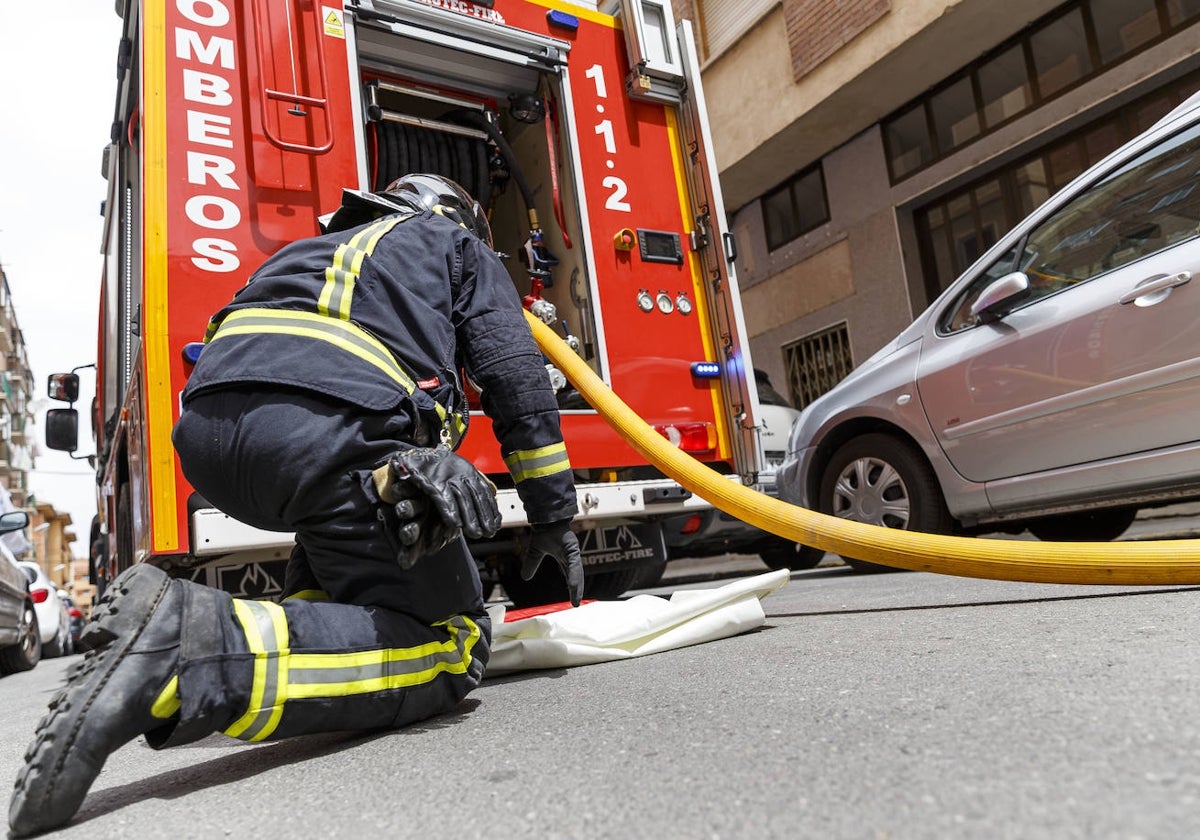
<point x="358" y="642"/>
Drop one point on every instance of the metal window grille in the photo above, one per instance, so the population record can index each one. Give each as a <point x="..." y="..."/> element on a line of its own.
<point x="816" y="363"/>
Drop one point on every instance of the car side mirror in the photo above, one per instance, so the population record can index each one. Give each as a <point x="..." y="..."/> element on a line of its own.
<point x="14" y="520"/>
<point x="1000" y="296"/>
<point x="63" y="387"/>
<point x="62" y="429"/>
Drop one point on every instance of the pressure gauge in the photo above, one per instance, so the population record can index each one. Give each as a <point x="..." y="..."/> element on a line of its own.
<point x="665" y="304"/>
<point x="683" y="304"/>
<point x="644" y="301"/>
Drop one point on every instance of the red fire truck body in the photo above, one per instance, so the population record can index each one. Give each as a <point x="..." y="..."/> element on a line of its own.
<point x="580" y="126"/>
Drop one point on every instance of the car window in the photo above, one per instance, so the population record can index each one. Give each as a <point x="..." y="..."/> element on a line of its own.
<point x="767" y="395"/>
<point x="958" y="316"/>
<point x="29" y="573"/>
<point x="1148" y="204"/>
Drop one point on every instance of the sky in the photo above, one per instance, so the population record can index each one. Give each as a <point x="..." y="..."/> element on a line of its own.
<point x="57" y="90"/>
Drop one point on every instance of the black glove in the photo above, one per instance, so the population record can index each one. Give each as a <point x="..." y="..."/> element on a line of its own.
<point x="420" y="531"/>
<point x="463" y="500"/>
<point x="559" y="541"/>
<point x="460" y="494"/>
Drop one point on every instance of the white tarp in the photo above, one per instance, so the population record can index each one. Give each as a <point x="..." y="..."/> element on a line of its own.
<point x="606" y="630"/>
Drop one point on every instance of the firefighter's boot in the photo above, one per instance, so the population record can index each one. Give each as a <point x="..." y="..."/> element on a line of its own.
<point x="125" y="686"/>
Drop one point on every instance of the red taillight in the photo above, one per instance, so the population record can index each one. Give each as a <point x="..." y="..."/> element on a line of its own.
<point x="690" y="437"/>
<point x="39" y="595"/>
<point x="75" y="612"/>
<point x="692" y="525"/>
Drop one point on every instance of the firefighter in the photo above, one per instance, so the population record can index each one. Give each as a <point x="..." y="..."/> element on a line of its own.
<point x="327" y="401"/>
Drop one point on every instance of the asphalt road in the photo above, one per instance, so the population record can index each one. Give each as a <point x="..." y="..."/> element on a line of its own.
<point x="880" y="706"/>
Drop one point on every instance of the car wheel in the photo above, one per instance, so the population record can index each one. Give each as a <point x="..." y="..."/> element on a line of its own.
<point x="27" y="652"/>
<point x="648" y="575"/>
<point x="881" y="480"/>
<point x="1085" y="526"/>
<point x="54" y="648"/>
<point x="782" y="553"/>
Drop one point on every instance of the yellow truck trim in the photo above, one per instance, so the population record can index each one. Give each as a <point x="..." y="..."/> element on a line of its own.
<point x="699" y="289"/>
<point x="163" y="511"/>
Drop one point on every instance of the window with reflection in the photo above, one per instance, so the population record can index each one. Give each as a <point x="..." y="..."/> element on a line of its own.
<point x="1150" y="203"/>
<point x="955" y="115"/>
<point x="955" y="229"/>
<point x="909" y="143"/>
<point x="1004" y="86"/>
<point x="795" y="207"/>
<point x="1054" y="54"/>
<point x="1122" y="26"/>
<point x="1060" y="54"/>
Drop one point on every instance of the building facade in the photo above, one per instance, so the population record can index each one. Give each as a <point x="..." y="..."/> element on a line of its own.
<point x="16" y="403"/>
<point x="48" y="539"/>
<point x="871" y="150"/>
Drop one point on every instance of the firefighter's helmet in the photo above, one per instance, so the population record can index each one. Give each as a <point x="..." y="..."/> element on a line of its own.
<point x="441" y="195"/>
<point x="409" y="194"/>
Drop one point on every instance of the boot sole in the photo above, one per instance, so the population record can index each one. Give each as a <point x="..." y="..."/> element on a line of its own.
<point x="116" y="624"/>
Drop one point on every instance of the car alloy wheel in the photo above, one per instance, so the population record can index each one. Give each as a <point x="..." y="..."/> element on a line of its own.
<point x="878" y="479"/>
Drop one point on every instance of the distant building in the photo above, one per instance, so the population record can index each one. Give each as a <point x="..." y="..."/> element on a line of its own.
<point x="48" y="539"/>
<point x="871" y="150"/>
<point x="16" y="403"/>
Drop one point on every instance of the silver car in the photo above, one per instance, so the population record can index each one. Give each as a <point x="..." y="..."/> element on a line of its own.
<point x="20" y="635"/>
<point x="1054" y="387"/>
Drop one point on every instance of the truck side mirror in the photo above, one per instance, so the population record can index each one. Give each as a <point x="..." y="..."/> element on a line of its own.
<point x="63" y="387"/>
<point x="62" y="428"/>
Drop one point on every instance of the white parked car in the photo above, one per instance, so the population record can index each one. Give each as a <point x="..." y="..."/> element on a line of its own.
<point x="52" y="615"/>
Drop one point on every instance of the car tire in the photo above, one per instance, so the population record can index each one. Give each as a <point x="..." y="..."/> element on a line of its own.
<point x="648" y="575"/>
<point x="882" y="480"/>
<point x="55" y="647"/>
<point x="27" y="652"/>
<point x="780" y="553"/>
<point x="1084" y="526"/>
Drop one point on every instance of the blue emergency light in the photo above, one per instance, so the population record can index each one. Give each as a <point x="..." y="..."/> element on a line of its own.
<point x="706" y="370"/>
<point x="562" y="20"/>
<point x="191" y="351"/>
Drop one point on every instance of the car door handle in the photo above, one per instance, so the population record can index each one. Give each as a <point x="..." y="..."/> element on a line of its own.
<point x="1157" y="283"/>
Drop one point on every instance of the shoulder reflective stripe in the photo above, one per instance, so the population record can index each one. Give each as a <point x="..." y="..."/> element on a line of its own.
<point x="348" y="259"/>
<point x="537" y="463"/>
<point x="265" y="626"/>
<point x="309" y="595"/>
<point x="167" y="702"/>
<point x="312" y="675"/>
<point x="343" y="334"/>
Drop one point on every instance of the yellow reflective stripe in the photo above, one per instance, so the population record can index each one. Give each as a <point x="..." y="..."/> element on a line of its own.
<point x="537" y="463"/>
<point x="313" y="675"/>
<point x="343" y="334"/>
<point x="167" y="702"/>
<point x="348" y="260"/>
<point x="265" y="626"/>
<point x="309" y="595"/>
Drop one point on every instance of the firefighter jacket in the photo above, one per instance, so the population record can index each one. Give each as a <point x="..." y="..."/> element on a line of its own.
<point x="385" y="316"/>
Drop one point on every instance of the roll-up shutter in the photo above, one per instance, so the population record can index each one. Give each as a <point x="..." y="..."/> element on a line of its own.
<point x="722" y="21"/>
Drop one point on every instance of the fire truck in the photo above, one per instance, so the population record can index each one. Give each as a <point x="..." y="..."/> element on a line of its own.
<point x="581" y="128"/>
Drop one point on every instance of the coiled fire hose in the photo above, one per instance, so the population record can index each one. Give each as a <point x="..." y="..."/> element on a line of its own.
<point x="1149" y="563"/>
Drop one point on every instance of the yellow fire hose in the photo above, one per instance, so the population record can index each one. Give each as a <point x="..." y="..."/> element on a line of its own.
<point x="1150" y="563"/>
